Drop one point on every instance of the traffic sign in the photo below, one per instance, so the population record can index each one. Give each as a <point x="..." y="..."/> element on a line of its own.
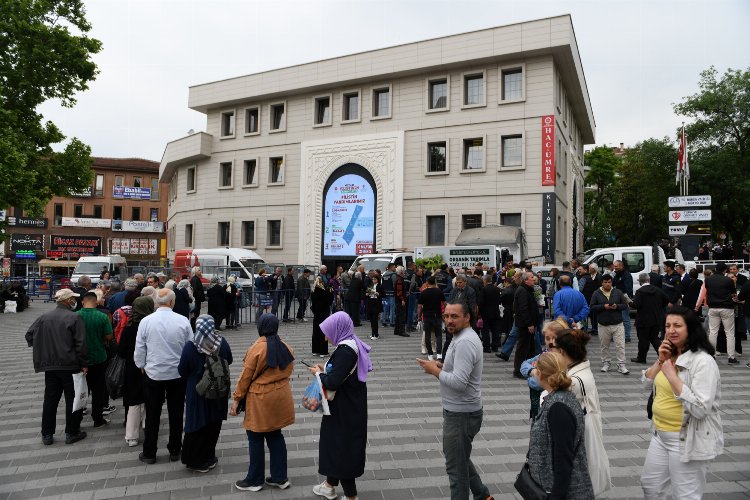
<point x="690" y="201"/>
<point x="689" y="215"/>
<point x="698" y="229"/>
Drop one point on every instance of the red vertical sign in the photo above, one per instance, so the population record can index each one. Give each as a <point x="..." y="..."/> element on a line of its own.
<point x="548" y="150"/>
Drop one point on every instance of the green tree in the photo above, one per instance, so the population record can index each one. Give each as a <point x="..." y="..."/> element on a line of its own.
<point x="602" y="164"/>
<point x="719" y="139"/>
<point x="645" y="180"/>
<point x="45" y="55"/>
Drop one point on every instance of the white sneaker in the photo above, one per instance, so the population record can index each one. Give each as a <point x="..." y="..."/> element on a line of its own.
<point x="429" y="358"/>
<point x="605" y="367"/>
<point x="132" y="442"/>
<point x="323" y="490"/>
<point x="621" y="368"/>
<point x="439" y="357"/>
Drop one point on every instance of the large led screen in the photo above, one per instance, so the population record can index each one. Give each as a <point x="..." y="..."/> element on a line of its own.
<point x="349" y="224"/>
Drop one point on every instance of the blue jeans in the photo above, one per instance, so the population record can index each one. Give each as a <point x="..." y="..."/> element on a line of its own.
<point x="277" y="450"/>
<point x="459" y="430"/>
<point x="626" y="322"/>
<point x="411" y="310"/>
<point x="510" y="341"/>
<point x="389" y="311"/>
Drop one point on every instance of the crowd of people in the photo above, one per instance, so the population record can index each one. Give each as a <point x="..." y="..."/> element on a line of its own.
<point x="172" y="353"/>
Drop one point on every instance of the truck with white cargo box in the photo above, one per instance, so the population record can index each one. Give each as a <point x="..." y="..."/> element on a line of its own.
<point x="465" y="256"/>
<point x="510" y="240"/>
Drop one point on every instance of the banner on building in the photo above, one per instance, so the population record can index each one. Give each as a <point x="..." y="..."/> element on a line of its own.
<point x="76" y="246"/>
<point x="28" y="242"/>
<point x="40" y="222"/>
<point x="138" y="226"/>
<point x="131" y="193"/>
<point x="86" y="222"/>
<point x="349" y="225"/>
<point x="548" y="150"/>
<point x="549" y="221"/>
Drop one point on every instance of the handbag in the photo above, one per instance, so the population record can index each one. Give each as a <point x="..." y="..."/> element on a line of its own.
<point x="114" y="377"/>
<point x="596" y="455"/>
<point x="526" y="486"/>
<point x="650" y="405"/>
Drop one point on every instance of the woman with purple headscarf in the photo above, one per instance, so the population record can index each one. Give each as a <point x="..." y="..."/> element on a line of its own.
<point x="343" y="433"/>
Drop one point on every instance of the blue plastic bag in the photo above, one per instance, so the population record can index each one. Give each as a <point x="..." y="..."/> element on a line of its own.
<point x="312" y="397"/>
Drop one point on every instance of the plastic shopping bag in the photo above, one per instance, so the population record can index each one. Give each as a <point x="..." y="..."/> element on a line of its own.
<point x="313" y="398"/>
<point x="10" y="306"/>
<point x="81" y="389"/>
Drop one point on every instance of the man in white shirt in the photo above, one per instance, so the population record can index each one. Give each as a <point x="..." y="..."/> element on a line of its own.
<point x="158" y="348"/>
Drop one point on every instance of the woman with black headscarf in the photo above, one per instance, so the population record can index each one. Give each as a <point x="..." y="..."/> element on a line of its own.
<point x="203" y="416"/>
<point x="264" y="385"/>
<point x="132" y="393"/>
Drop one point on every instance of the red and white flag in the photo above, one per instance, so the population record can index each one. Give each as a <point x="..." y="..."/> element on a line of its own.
<point x="683" y="167"/>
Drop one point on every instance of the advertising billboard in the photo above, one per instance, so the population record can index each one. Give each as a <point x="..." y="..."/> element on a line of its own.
<point x="349" y="219"/>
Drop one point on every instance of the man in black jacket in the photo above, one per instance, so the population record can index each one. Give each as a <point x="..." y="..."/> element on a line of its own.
<point x="672" y="284"/>
<point x="650" y="303"/>
<point x="720" y="298"/>
<point x="609" y="302"/>
<point x="526" y="317"/>
<point x="199" y="295"/>
<point x="592" y="284"/>
<point x="287" y="288"/>
<point x="59" y="341"/>
<point x="489" y="311"/>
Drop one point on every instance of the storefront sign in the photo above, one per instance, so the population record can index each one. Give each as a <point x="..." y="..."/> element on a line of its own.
<point x="21" y="241"/>
<point x="349" y="225"/>
<point x="76" y="246"/>
<point x="133" y="246"/>
<point x="26" y="254"/>
<point x="27" y="221"/>
<point x="86" y="222"/>
<point x="689" y="215"/>
<point x="131" y="193"/>
<point x="548" y="150"/>
<point x="85" y="193"/>
<point x="138" y="226"/>
<point x="549" y="220"/>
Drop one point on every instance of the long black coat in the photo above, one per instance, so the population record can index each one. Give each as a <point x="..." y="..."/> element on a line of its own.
<point x="355" y="291"/>
<point x="182" y="302"/>
<point x="375" y="304"/>
<point x="217" y="301"/>
<point x="489" y="302"/>
<point x="133" y="390"/>
<point x="650" y="303"/>
<point x="691" y="291"/>
<point x="343" y="434"/>
<point x="525" y="308"/>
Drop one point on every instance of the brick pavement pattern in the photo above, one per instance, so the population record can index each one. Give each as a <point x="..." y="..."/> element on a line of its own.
<point x="404" y="457"/>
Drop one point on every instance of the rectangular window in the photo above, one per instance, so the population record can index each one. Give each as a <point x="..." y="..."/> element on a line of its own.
<point x="437" y="155"/>
<point x="188" y="235"/>
<point x="323" y="110"/>
<point x="512" y="81"/>
<point x="474" y="154"/>
<point x="117" y="212"/>
<point x="98" y="210"/>
<point x="471" y="221"/>
<point x="381" y="103"/>
<point x="276" y="170"/>
<point x="225" y="174"/>
<point x="223" y="234"/>
<point x="155" y="188"/>
<point x="99" y="186"/>
<point x="154" y="214"/>
<point x="510" y="220"/>
<point x="119" y="180"/>
<point x="77" y="210"/>
<point x="438" y="93"/>
<point x="58" y="213"/>
<point x="250" y="173"/>
<point x="136" y="213"/>
<point x="634" y="262"/>
<point x="474" y="89"/>
<point x="512" y="151"/>
<point x="273" y="237"/>
<point x="252" y="120"/>
<point x="137" y="181"/>
<point x="278" y="117"/>
<point x="190" y="180"/>
<point x="436" y="229"/>
<point x="227" y="124"/>
<point x="350" y="106"/>
<point x="248" y="233"/>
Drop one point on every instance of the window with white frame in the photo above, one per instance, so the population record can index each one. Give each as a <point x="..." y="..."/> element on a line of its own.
<point x="511" y="151"/>
<point x="512" y="219"/>
<point x="437" y="157"/>
<point x="436" y="230"/>
<point x="248" y="233"/>
<point x="222" y="234"/>
<point x="252" y="120"/>
<point x="381" y="102"/>
<point x="471" y="221"/>
<point x="190" y="180"/>
<point x="511" y="80"/>
<point x="119" y="180"/>
<point x="276" y="170"/>
<point x="473" y="154"/>
<point x="99" y="185"/>
<point x="437" y="93"/>
<point x="278" y="116"/>
<point x="250" y="173"/>
<point x="322" y="110"/>
<point x="188" y="235"/>
<point x="350" y="106"/>
<point x="227" y="124"/>
<point x="225" y="174"/>
<point x="473" y="89"/>
<point x="273" y="234"/>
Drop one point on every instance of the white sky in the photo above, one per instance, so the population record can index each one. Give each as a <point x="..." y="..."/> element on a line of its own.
<point x="639" y="56"/>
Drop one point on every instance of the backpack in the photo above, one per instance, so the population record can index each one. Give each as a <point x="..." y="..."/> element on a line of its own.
<point x="214" y="384"/>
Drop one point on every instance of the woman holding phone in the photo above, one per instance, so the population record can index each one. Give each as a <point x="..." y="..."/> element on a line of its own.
<point x="686" y="426"/>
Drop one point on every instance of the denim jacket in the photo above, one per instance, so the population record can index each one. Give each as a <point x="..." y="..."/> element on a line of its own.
<point x="701" y="435"/>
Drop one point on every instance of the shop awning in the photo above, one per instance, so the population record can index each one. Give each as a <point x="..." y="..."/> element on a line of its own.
<point x="57" y="263"/>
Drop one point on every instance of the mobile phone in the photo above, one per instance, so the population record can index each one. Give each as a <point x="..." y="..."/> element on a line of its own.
<point x="673" y="347"/>
<point x="305" y="363"/>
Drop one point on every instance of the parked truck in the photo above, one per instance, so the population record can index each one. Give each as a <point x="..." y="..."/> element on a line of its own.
<point x="465" y="256"/>
<point x="508" y="240"/>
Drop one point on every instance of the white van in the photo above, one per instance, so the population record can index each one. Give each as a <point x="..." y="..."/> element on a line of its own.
<point x="637" y="259"/>
<point x="381" y="260"/>
<point x="93" y="267"/>
<point x="239" y="261"/>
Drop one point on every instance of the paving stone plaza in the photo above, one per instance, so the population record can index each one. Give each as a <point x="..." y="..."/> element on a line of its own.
<point x="404" y="457"/>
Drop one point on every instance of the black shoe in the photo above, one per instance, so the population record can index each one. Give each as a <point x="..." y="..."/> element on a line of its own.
<point x="487" y="349"/>
<point x="74" y="438"/>
<point x="403" y="334"/>
<point x="48" y="440"/>
<point x="109" y="409"/>
<point x="732" y="361"/>
<point x="518" y="375"/>
<point x="627" y="341"/>
<point x="101" y="422"/>
<point x="245" y="486"/>
<point x="213" y="463"/>
<point x="502" y="356"/>
<point x="145" y="459"/>
<point x="203" y="468"/>
<point x="639" y="361"/>
<point x="174" y="457"/>
<point x="283" y="484"/>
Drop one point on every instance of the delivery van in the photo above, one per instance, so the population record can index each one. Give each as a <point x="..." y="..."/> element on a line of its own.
<point x="93" y="267"/>
<point x="239" y="261"/>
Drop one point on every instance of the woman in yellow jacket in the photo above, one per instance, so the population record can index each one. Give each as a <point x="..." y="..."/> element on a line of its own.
<point x="264" y="385"/>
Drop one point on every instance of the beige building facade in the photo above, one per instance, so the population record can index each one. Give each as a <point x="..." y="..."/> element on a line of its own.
<point x="479" y="128"/>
